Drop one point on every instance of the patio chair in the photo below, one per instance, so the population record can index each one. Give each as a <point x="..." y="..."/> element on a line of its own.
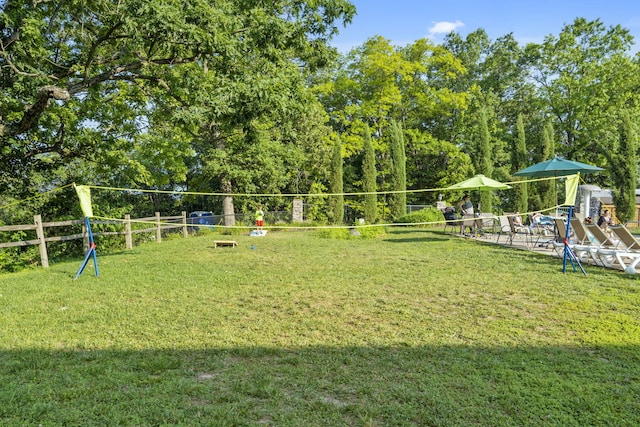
<point x="503" y="227"/>
<point x="486" y="223"/>
<point x="580" y="232"/>
<point x="626" y="238"/>
<point x="583" y="252"/>
<point x="540" y="228"/>
<point x="519" y="230"/>
<point x="472" y="222"/>
<point x="451" y="219"/>
<point x="607" y="251"/>
<point x="601" y="238"/>
<point x="626" y="254"/>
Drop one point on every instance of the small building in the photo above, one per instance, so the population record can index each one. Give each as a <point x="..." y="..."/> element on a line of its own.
<point x="592" y="200"/>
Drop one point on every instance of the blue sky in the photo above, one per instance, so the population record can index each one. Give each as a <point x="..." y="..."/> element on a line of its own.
<point x="404" y="21"/>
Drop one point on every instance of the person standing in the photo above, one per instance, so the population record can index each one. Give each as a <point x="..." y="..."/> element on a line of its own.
<point x="259" y="217"/>
<point x="466" y="208"/>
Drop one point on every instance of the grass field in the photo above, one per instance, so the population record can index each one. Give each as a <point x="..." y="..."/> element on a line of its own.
<point x="411" y="328"/>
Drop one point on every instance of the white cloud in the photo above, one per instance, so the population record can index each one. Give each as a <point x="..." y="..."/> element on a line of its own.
<point x="444" y="27"/>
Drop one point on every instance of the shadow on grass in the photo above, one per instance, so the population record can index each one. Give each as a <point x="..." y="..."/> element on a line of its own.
<point x="391" y="386"/>
<point x="427" y="235"/>
<point x="414" y="239"/>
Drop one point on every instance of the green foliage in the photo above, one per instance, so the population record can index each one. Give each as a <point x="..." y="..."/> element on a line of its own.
<point x="428" y="215"/>
<point x="357" y="232"/>
<point x="334" y="233"/>
<point x="432" y="163"/>
<point x="369" y="232"/>
<point x="547" y="188"/>
<point x="484" y="162"/>
<point x="317" y="206"/>
<point x="398" y="202"/>
<point x="573" y="71"/>
<point x="625" y="175"/>
<point x="336" y="199"/>
<point x="17" y="258"/>
<point x="237" y="97"/>
<point x="520" y="158"/>
<point x="369" y="179"/>
<point x="137" y="93"/>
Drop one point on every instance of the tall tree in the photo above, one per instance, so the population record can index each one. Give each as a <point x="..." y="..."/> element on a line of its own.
<point x="547" y="188"/>
<point x="336" y="186"/>
<point x="484" y="164"/>
<point x="625" y="174"/>
<point x="519" y="160"/>
<point x="369" y="178"/>
<point x="582" y="77"/>
<point x="398" y="202"/>
<point x="83" y="80"/>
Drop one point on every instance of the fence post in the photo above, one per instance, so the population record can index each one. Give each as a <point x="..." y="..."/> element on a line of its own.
<point x="185" y="232"/>
<point x="158" y="230"/>
<point x="44" y="258"/>
<point x="128" y="240"/>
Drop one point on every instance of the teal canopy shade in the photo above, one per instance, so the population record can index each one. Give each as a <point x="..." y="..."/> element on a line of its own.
<point x="557" y="166"/>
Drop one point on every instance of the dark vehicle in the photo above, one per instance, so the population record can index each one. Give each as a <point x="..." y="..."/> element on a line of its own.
<point x="204" y="218"/>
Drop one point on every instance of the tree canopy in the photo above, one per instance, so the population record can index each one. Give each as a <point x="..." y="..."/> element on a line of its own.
<point x="249" y="96"/>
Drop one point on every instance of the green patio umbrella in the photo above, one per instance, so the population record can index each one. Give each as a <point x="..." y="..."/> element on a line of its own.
<point x="479" y="182"/>
<point x="558" y="166"/>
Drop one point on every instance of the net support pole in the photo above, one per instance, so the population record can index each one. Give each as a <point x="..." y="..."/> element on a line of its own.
<point x="91" y="253"/>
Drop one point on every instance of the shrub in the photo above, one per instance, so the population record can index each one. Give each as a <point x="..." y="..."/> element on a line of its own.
<point x="427" y="215"/>
<point x="371" y="232"/>
<point x="358" y="232"/>
<point x="334" y="233"/>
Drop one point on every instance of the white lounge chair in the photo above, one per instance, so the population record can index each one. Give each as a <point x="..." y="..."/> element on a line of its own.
<point x="609" y="254"/>
<point x="626" y="254"/>
<point x="584" y="252"/>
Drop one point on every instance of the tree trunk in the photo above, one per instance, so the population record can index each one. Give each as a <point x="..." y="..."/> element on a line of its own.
<point x="227" y="205"/>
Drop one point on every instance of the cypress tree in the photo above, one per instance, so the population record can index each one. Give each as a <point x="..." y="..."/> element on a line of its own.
<point x="625" y="174"/>
<point x="547" y="188"/>
<point x="336" y="201"/>
<point x="485" y="164"/>
<point x="522" y="193"/>
<point x="398" y="203"/>
<point x="369" y="179"/>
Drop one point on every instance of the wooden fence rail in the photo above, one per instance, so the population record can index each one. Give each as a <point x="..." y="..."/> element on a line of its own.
<point x="159" y="224"/>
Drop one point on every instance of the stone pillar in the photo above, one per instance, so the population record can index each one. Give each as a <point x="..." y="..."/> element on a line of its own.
<point x="298" y="214"/>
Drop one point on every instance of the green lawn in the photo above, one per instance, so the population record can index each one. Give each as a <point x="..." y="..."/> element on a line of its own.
<point x="411" y="328"/>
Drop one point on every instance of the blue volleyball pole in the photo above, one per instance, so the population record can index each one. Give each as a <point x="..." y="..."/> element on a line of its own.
<point x="568" y="252"/>
<point x="90" y="253"/>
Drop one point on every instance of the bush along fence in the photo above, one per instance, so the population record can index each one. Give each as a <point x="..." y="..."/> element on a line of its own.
<point x="42" y="237"/>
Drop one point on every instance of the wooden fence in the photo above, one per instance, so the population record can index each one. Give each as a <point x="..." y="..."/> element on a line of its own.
<point x="159" y="224"/>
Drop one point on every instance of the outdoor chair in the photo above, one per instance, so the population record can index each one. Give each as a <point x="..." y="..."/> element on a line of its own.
<point x="540" y="229"/>
<point x="600" y="237"/>
<point x="451" y="219"/>
<point x="626" y="254"/>
<point x="583" y="252"/>
<point x="580" y="232"/>
<point x="626" y="238"/>
<point x="607" y="251"/>
<point x="519" y="230"/>
<point x="486" y="223"/>
<point x="472" y="222"/>
<point x="503" y="227"/>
